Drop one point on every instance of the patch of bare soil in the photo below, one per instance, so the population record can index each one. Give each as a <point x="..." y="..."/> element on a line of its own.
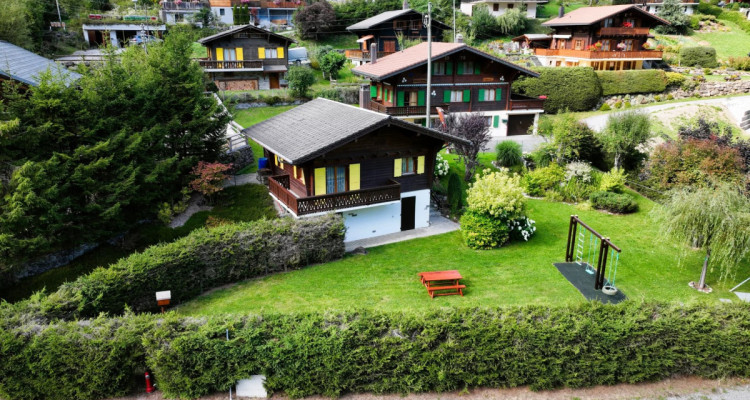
<point x="655" y="390"/>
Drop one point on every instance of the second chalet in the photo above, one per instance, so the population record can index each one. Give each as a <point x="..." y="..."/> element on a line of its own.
<point x="464" y="80"/>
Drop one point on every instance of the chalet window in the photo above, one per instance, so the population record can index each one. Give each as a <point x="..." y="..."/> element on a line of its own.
<point x="606" y="45"/>
<point x="630" y="22"/>
<point x="490" y="94"/>
<point x="408" y="165"/>
<point x="561" y="43"/>
<point x="579" y="44"/>
<point x="608" y="22"/>
<point x="510" y="5"/>
<point x="399" y="25"/>
<point x="221" y="11"/>
<point x="457" y="96"/>
<point x="416" y="25"/>
<point x="413" y="98"/>
<point x="335" y="179"/>
<point x="299" y="173"/>
<point x="628" y="45"/>
<point x="241" y="35"/>
<point x="467" y="68"/>
<point x="272" y="53"/>
<point x="496" y="7"/>
<point x="442" y="68"/>
<point x="230" y="55"/>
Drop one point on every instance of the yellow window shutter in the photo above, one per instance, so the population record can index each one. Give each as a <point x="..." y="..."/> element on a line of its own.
<point x="275" y="160"/>
<point x="320" y="181"/>
<point x="261" y="52"/>
<point x="219" y="54"/>
<point x="240" y="53"/>
<point x="302" y="174"/>
<point x="353" y="176"/>
<point x="396" y="167"/>
<point x="294" y="168"/>
<point x="420" y="165"/>
<point x="280" y="52"/>
<point x="281" y="163"/>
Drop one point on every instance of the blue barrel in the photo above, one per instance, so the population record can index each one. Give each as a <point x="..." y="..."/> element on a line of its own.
<point x="262" y="163"/>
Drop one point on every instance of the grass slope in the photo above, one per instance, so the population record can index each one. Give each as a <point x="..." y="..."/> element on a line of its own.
<point x="518" y="274"/>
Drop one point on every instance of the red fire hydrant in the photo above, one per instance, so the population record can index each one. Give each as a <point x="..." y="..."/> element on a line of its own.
<point x="149" y="386"/>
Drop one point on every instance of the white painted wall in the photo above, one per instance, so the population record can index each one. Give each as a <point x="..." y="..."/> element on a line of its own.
<point x="372" y="221"/>
<point x="227" y="18"/>
<point x="421" y="208"/>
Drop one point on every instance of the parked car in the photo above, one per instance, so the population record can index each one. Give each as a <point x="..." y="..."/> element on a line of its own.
<point x="298" y="56"/>
<point x="139" y="39"/>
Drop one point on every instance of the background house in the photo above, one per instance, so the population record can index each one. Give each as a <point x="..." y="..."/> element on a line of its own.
<point x="246" y="58"/>
<point x="499" y="7"/>
<point x="606" y="38"/>
<point x="23" y="66"/>
<point x="384" y="30"/>
<point x="464" y="80"/>
<point x="373" y="169"/>
<point x="174" y="12"/>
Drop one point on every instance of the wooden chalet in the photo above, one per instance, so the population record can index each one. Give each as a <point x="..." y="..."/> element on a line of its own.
<point x="374" y="169"/>
<point x="607" y="38"/>
<point x="464" y="79"/>
<point x="246" y="58"/>
<point x="384" y="29"/>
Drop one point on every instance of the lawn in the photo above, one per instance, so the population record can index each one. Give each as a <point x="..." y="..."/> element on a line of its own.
<point x="734" y="43"/>
<point x="550" y="9"/>
<point x="237" y="203"/>
<point x="341" y="41"/>
<point x="518" y="274"/>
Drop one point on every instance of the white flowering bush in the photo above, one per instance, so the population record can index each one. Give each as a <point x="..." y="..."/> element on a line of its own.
<point x="441" y="167"/>
<point x="580" y="170"/>
<point x="521" y="228"/>
<point x="497" y="194"/>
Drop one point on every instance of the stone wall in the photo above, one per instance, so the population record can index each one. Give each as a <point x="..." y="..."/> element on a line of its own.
<point x="705" y="89"/>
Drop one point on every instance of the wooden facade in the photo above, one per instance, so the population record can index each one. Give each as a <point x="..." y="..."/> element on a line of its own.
<point x="375" y="168"/>
<point x="248" y="58"/>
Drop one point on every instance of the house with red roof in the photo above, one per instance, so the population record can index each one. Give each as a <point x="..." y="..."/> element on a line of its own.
<point x="606" y="38"/>
<point x="464" y="80"/>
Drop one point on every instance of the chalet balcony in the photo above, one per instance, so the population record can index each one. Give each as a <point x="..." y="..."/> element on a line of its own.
<point x="404" y="111"/>
<point x="183" y="5"/>
<point x="519" y="102"/>
<point x="600" y="55"/>
<point x="279" y="187"/>
<point x="622" y="31"/>
<point x="274" y="4"/>
<point x="219" y="66"/>
<point x="354" y="54"/>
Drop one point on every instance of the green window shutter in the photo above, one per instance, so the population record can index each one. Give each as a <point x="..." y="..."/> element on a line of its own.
<point x="460" y="68"/>
<point x="467" y="96"/>
<point x="446" y="96"/>
<point x="498" y="94"/>
<point x="449" y="68"/>
<point x="481" y="94"/>
<point x="495" y="121"/>
<point x="420" y="98"/>
<point x="432" y="71"/>
<point x="373" y="91"/>
<point x="385" y="94"/>
<point x="400" y="99"/>
<point x="477" y="70"/>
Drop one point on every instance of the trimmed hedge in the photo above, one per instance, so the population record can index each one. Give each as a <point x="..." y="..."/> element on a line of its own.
<point x="573" y="89"/>
<point x="702" y="56"/>
<point x="203" y="260"/>
<point x="613" y="202"/>
<point x="332" y="354"/>
<point x="635" y="81"/>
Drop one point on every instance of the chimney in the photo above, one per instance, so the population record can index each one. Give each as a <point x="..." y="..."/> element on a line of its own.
<point x="561" y="12"/>
<point x="373" y="53"/>
<point x="405" y="5"/>
<point x="459" y="38"/>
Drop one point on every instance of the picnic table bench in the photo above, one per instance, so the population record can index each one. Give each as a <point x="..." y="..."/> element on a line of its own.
<point x="442" y="283"/>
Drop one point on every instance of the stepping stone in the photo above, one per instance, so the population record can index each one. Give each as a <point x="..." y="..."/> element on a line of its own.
<point x="743" y="296"/>
<point x="725" y="300"/>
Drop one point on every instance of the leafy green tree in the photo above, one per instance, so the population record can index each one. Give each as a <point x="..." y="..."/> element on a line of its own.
<point x="13" y="23"/>
<point x="671" y="11"/>
<point x="512" y="22"/>
<point x="95" y="158"/>
<point x="483" y="24"/>
<point x="300" y="80"/>
<point x="314" y="19"/>
<point x="205" y="17"/>
<point x="331" y="63"/>
<point x="624" y="133"/>
<point x="715" y="219"/>
<point x="573" y="140"/>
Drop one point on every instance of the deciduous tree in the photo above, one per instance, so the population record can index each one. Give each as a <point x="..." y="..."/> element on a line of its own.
<point x="474" y="128"/>
<point x="624" y="133"/>
<point x="314" y="19"/>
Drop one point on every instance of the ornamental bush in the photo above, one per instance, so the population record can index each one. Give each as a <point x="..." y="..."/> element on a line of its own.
<point x="497" y="194"/>
<point x="455" y="192"/>
<point x="540" y="180"/>
<point x="613" y="181"/>
<point x="483" y="232"/>
<point x="509" y="154"/>
<point x="613" y="202"/>
<point x="635" y="81"/>
<point x="702" y="56"/>
<point x="675" y="78"/>
<point x="573" y="89"/>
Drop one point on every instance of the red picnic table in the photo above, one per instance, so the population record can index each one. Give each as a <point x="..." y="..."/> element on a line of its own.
<point x="445" y="282"/>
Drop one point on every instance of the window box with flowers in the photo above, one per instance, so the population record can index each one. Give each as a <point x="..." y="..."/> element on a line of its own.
<point x="627" y="24"/>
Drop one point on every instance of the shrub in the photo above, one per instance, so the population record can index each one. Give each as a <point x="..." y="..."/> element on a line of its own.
<point x="497" y="194"/>
<point x="206" y="259"/>
<point x="331" y="63"/>
<point x="703" y="56"/>
<point x="521" y="229"/>
<point x="544" y="154"/>
<point x="455" y="192"/>
<point x="626" y="105"/>
<point x="705" y="8"/>
<point x="577" y="189"/>
<point x="613" y="181"/>
<point x="635" y="81"/>
<point x="657" y="98"/>
<point x="675" y="78"/>
<point x="300" y="80"/>
<point x="345" y="94"/>
<point x="613" y="202"/>
<point x="670" y="97"/>
<point x="605" y="107"/>
<point x="574" y="89"/>
<point x="618" y="104"/>
<point x="580" y="170"/>
<point x="483" y="232"/>
<point x="512" y="22"/>
<point x="441" y="166"/>
<point x="509" y="154"/>
<point x="739" y="63"/>
<point x="541" y="180"/>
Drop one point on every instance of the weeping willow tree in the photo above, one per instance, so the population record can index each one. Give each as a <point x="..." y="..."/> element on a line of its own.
<point x="715" y="219"/>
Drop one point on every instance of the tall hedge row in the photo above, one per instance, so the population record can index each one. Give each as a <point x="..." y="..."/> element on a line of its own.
<point x="573" y="89"/>
<point x="701" y="56"/>
<point x="633" y="81"/>
<point x="200" y="261"/>
<point x="366" y="351"/>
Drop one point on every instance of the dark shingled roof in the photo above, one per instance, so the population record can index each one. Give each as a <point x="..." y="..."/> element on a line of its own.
<point x="239" y="29"/>
<point x="24" y="66"/>
<point x="385" y="17"/>
<point x="318" y="126"/>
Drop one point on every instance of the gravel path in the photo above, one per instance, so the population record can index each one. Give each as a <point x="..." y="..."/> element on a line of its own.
<point x="192" y="208"/>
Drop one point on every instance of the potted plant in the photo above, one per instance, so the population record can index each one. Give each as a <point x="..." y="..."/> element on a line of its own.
<point x="627" y="24"/>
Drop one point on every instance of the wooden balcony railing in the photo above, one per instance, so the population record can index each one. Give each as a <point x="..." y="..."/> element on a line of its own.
<point x="279" y="187"/>
<point x="274" y="4"/>
<point x="622" y="31"/>
<point x="248" y="65"/>
<point x="598" y="55"/>
<point x="185" y="5"/>
<point x="359" y="54"/>
<point x="403" y="111"/>
<point x="518" y="102"/>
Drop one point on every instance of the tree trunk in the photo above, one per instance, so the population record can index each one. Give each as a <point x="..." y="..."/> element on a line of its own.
<point x="702" y="282"/>
<point x="468" y="172"/>
<point x="617" y="160"/>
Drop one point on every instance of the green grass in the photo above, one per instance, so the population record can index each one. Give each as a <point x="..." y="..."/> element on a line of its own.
<point x="550" y="9"/>
<point x="236" y="203"/>
<point x="734" y="43"/>
<point x="518" y="274"/>
<point x="199" y="51"/>
<point x="341" y="41"/>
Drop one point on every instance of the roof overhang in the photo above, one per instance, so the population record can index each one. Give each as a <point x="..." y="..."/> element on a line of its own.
<point x="561" y="36"/>
<point x="365" y="38"/>
<point x="604" y="16"/>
